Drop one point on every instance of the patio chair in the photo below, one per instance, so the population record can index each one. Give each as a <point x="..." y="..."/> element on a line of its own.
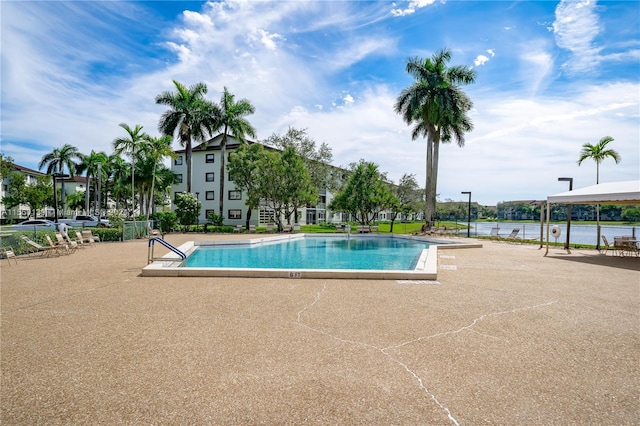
<point x="618" y="246"/>
<point x="252" y="228"/>
<point x="8" y="253"/>
<point x="495" y="234"/>
<point x="630" y="246"/>
<point x="605" y="247"/>
<point x="153" y="232"/>
<point x="513" y="235"/>
<point x="37" y="248"/>
<point x="72" y="245"/>
<point x="89" y="237"/>
<point x="59" y="248"/>
<point x="269" y="227"/>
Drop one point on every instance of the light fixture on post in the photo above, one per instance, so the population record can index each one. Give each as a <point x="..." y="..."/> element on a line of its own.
<point x="55" y="177"/>
<point x="570" y="180"/>
<point x="468" y="214"/>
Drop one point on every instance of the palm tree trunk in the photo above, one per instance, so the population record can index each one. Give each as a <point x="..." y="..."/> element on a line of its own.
<point x="187" y="156"/>
<point x="153" y="181"/>
<point x="598" y="208"/>
<point x="434" y="172"/>
<point x="429" y="211"/>
<point x="223" y="146"/>
<point x="86" y="195"/>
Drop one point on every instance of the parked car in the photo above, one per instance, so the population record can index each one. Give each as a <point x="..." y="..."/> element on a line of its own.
<point x="37" y="224"/>
<point x="88" y="221"/>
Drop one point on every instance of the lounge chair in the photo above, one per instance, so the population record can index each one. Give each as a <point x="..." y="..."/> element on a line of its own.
<point x="153" y="232"/>
<point x="72" y="245"/>
<point x="513" y="235"/>
<point x="287" y="228"/>
<point x="269" y="227"/>
<point x="88" y="237"/>
<point x="495" y="234"/>
<point x="363" y="229"/>
<point x="252" y="228"/>
<point x="37" y="248"/>
<point x="8" y="253"/>
<point x="238" y="228"/>
<point x="59" y="248"/>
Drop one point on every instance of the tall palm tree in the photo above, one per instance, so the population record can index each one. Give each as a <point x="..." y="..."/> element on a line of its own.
<point x="156" y="150"/>
<point x="95" y="166"/>
<point x="130" y="144"/>
<point x="187" y="118"/>
<point x="230" y="118"/>
<point x="598" y="153"/>
<point x="437" y="106"/>
<point x="118" y="174"/>
<point x="57" y="160"/>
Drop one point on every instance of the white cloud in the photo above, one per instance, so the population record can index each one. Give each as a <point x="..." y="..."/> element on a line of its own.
<point x="411" y="7"/>
<point x="480" y="60"/>
<point x="537" y="65"/>
<point x="576" y="26"/>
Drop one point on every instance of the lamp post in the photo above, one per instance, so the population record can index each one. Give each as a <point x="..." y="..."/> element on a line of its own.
<point x="570" y="180"/>
<point x="468" y="214"/>
<point x="55" y="176"/>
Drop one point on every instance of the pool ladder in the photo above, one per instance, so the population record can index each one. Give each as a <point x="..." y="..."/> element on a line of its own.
<point x="151" y="246"/>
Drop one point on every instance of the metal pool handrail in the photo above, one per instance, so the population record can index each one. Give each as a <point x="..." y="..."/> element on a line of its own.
<point x="152" y="242"/>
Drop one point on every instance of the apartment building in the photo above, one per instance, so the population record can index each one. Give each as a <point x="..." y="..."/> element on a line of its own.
<point x="22" y="212"/>
<point x="205" y="184"/>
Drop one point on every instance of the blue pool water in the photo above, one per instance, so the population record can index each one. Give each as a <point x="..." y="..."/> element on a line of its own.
<point x="313" y="253"/>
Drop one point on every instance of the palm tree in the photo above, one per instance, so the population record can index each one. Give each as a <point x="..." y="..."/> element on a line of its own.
<point x="156" y="150"/>
<point x="118" y="174"/>
<point x="438" y="107"/>
<point x="95" y="165"/>
<point x="230" y="118"/>
<point x="188" y="117"/>
<point x="130" y="144"/>
<point x="57" y="160"/>
<point x="598" y="153"/>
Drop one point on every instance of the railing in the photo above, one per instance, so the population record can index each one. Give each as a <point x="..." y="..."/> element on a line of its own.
<point x="151" y="246"/>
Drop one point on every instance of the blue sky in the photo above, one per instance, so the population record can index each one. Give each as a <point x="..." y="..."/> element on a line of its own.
<point x="550" y="77"/>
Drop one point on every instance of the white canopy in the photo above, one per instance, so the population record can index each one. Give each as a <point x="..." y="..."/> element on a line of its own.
<point x="625" y="192"/>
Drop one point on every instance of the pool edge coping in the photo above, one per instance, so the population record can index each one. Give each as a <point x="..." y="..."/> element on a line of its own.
<point x="426" y="267"/>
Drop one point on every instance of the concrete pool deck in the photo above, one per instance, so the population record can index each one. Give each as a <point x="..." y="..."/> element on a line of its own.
<point x="505" y="336"/>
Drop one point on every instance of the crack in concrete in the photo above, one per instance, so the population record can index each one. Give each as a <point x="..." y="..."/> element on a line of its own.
<point x="385" y="350"/>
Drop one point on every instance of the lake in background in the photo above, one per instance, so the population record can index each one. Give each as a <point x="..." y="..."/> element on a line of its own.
<point x="580" y="234"/>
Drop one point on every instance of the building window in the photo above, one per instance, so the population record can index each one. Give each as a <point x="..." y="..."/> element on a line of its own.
<point x="235" y="214"/>
<point x="209" y="195"/>
<point x="175" y="196"/>
<point x="178" y="161"/>
<point x="208" y="212"/>
<point x="209" y="158"/>
<point x="179" y="178"/>
<point x="209" y="177"/>
<point x="235" y="195"/>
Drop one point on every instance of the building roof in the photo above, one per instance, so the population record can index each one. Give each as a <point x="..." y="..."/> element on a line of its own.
<point x="624" y="192"/>
<point x="23" y="169"/>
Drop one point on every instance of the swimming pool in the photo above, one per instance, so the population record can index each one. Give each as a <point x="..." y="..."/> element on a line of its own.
<point x="313" y="253"/>
<point x="307" y="256"/>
